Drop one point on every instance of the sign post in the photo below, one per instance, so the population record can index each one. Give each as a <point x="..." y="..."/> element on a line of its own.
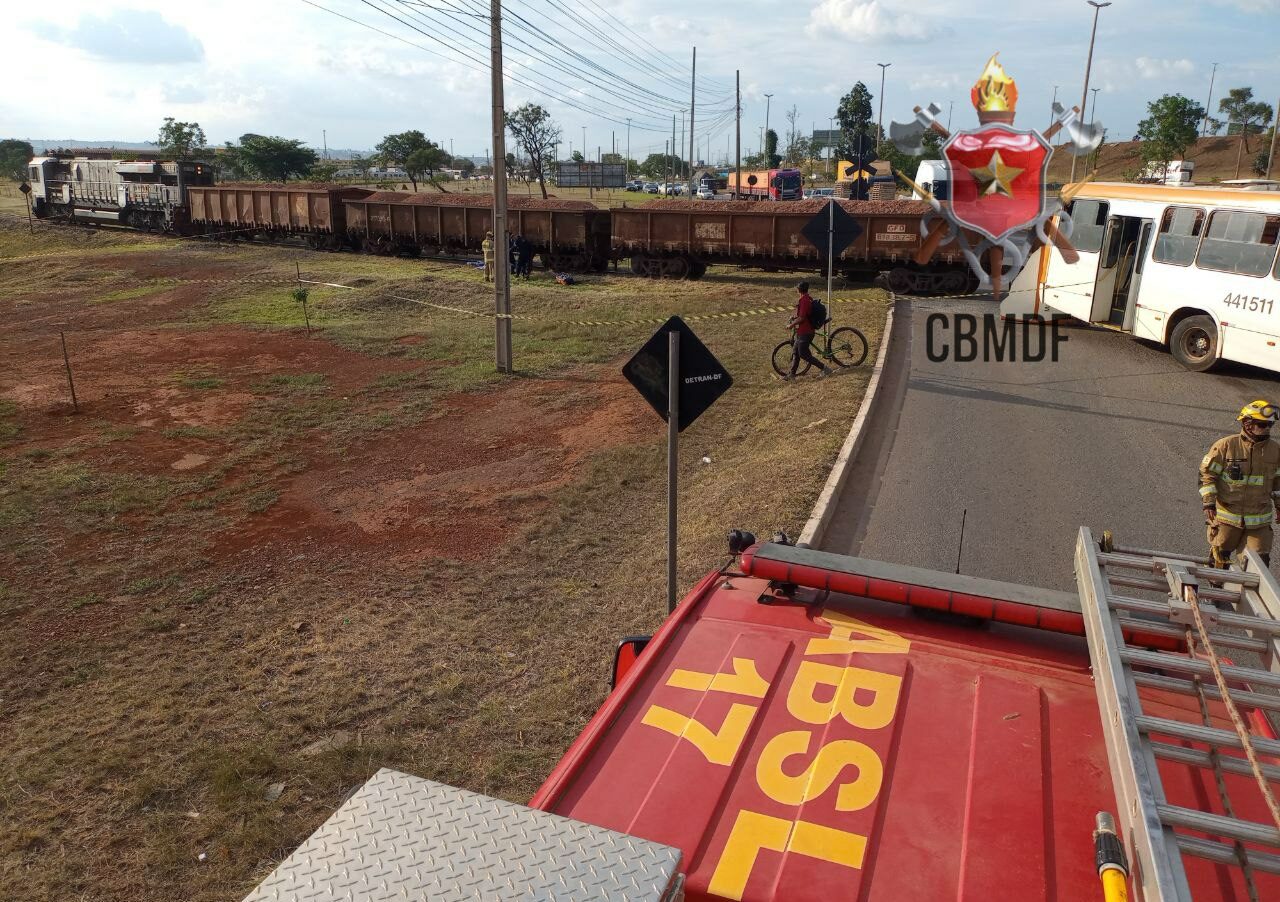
<point x="26" y="192"/>
<point x="839" y="230"/>
<point x="673" y="459"/>
<point x="680" y="379"/>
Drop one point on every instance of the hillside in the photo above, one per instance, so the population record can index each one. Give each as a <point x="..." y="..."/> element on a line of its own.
<point x="1215" y="160"/>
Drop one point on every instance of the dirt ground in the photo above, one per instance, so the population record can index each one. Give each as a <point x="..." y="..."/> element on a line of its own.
<point x="256" y="564"/>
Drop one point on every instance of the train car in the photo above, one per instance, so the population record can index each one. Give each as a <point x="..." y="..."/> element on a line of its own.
<point x="768" y="184"/>
<point x="150" y="195"/>
<point x="567" y="235"/>
<point x="313" y="213"/>
<point x="815" y="727"/>
<point x="679" y="239"/>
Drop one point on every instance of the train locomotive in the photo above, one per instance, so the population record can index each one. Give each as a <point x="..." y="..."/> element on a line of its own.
<point x="664" y="239"/>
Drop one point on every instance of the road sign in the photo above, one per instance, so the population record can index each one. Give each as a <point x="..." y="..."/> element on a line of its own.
<point x="24" y="188"/>
<point x="843" y="228"/>
<point x="702" y="378"/>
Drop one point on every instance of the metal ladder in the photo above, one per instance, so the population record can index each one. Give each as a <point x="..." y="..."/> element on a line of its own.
<point x="1242" y="614"/>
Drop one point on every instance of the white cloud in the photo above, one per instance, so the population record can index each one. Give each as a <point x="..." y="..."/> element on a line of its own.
<point x="1253" y="6"/>
<point x="868" y="21"/>
<point x="1150" y="67"/>
<point x="127" y="36"/>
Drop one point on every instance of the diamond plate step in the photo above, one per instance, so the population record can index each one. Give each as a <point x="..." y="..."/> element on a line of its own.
<point x="404" y="838"/>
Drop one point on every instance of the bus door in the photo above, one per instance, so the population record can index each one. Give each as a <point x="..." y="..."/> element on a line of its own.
<point x="1118" y="269"/>
<point x="1072" y="288"/>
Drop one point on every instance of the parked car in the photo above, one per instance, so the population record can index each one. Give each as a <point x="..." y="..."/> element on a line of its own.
<point x="819" y="193"/>
<point x="675" y="189"/>
<point x="650" y="187"/>
<point x="706" y="193"/>
<point x="635" y="186"/>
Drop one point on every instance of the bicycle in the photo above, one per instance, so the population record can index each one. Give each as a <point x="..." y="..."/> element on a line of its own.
<point x="845" y="347"/>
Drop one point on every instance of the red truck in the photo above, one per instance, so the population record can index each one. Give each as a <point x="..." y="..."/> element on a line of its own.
<point x="813" y="726"/>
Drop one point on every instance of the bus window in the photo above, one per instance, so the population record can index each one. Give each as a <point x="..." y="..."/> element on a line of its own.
<point x="1089" y="221"/>
<point x="1239" y="242"/>
<point x="1179" y="236"/>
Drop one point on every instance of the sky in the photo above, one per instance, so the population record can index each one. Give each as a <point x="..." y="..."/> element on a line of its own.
<point x="107" y="70"/>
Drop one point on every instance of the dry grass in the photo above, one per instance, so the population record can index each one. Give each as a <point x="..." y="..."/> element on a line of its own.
<point x="154" y="686"/>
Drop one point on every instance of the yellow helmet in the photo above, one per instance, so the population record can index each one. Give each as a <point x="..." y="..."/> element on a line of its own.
<point x="1260" y="411"/>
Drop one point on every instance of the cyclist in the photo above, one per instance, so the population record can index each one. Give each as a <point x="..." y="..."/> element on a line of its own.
<point x="802" y="343"/>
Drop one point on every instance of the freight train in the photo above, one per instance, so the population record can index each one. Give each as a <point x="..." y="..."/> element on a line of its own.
<point x="663" y="239"/>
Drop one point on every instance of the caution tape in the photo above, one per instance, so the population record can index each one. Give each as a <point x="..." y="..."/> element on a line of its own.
<point x="596" y="323"/>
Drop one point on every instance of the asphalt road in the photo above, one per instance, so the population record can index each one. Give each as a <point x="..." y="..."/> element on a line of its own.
<point x="1109" y="436"/>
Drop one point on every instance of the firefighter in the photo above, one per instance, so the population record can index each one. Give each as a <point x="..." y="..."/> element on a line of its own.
<point x="486" y="247"/>
<point x="1240" y="486"/>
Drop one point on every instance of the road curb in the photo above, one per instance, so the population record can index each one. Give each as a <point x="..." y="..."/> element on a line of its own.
<point x="820" y="517"/>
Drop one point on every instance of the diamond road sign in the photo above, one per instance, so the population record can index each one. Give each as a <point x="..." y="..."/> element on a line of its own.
<point x="844" y="229"/>
<point x="702" y="378"/>
<point x="24" y="188"/>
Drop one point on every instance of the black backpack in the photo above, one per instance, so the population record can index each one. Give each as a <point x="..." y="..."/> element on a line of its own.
<point x="817" y="313"/>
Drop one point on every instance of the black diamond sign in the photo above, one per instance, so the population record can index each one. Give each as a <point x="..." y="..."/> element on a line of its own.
<point x="702" y="378"/>
<point x="24" y="188"/>
<point x="844" y="229"/>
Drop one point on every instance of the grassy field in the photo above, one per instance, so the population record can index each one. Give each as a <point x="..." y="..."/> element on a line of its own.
<point x="257" y="565"/>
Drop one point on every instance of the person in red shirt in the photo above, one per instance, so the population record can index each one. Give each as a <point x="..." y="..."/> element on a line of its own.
<point x="801" y="348"/>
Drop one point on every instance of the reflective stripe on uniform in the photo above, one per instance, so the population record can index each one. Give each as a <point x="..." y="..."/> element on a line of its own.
<point x="1252" y="521"/>
<point x="1225" y="516"/>
<point x="1214" y="467"/>
<point x="1207" y="490"/>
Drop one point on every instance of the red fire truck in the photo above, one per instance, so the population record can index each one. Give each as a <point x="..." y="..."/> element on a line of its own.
<point x="813" y="726"/>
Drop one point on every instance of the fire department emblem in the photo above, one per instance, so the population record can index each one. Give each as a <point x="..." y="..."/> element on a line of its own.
<point x="997" y="208"/>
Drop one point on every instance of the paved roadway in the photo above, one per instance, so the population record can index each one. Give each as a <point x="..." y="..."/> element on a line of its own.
<point x="1110" y="436"/>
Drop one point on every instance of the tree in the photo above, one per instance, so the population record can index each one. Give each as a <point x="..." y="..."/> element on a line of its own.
<point x="395" y="150"/>
<point x="658" y="165"/>
<point x="771" y="148"/>
<point x="425" y="161"/>
<point x="854" y="115"/>
<point x="14" y="157"/>
<point x="1171" y="126"/>
<point x="360" y="165"/>
<point x="324" y="172"/>
<point x="466" y="167"/>
<point x="272" y="159"/>
<point x="799" y="148"/>
<point x="577" y="157"/>
<point x="537" y="135"/>
<point x="180" y="139"/>
<point x="1245" y="112"/>
<point x="753" y="161"/>
<point x="611" y="158"/>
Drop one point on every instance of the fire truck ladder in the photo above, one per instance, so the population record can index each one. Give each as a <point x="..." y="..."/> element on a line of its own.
<point x="1242" y="613"/>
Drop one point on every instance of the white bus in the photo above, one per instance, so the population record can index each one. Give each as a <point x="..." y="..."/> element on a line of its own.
<point x="1192" y="268"/>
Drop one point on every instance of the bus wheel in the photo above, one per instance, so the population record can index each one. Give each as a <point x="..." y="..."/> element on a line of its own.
<point x="1194" y="343"/>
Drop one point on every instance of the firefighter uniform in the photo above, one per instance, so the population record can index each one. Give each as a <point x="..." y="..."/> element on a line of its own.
<point x="486" y="247"/>
<point x="1240" y="486"/>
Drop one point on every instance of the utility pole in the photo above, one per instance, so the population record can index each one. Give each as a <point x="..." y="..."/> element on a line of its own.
<point x="672" y="154"/>
<point x="693" y="93"/>
<point x="950" y="110"/>
<point x="764" y="135"/>
<point x="1088" y="68"/>
<point x="1271" y="154"/>
<point x="1051" y="105"/>
<point x="501" y="259"/>
<point x="880" y="120"/>
<point x="324" y="137"/>
<point x="1095" y="104"/>
<point x="628" y="149"/>
<point x="737" y="131"/>
<point x="1204" y="127"/>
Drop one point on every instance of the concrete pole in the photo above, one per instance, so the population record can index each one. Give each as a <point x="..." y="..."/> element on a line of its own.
<point x="693" y="95"/>
<point x="1204" y="126"/>
<point x="501" y="258"/>
<point x="880" y="119"/>
<point x="1275" y="127"/>
<point x="737" y="130"/>
<point x="673" y="460"/>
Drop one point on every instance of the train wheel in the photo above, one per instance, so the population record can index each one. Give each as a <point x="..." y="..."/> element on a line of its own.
<point x="676" y="267"/>
<point x="697" y="269"/>
<point x="901" y="280"/>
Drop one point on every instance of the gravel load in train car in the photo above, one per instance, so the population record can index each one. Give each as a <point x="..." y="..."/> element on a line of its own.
<point x="476" y="200"/>
<point x="854" y="207"/>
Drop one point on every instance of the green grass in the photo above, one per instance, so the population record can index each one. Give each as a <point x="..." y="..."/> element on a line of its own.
<point x="9" y="430"/>
<point x="200" y="382"/>
<point x="129" y="294"/>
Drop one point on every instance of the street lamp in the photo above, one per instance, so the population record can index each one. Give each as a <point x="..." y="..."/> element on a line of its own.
<point x="1204" y="128"/>
<point x="1095" y="104"/>
<point x="1088" y="67"/>
<point x="768" y="99"/>
<point x="880" y="122"/>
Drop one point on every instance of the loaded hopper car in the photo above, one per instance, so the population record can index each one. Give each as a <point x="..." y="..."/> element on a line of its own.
<point x="813" y="726"/>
